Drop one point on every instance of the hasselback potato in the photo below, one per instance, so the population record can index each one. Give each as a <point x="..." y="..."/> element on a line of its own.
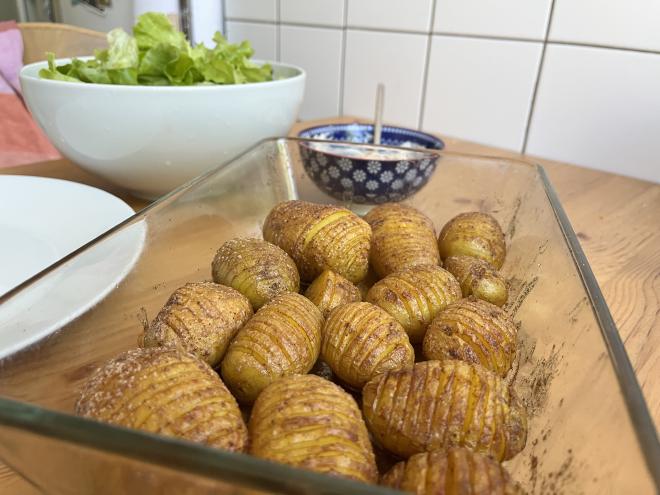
<point x="478" y="278"/>
<point x="168" y="391"/>
<point x="414" y="296"/>
<point x="257" y="269"/>
<point x="282" y="338"/>
<point x="475" y="331"/>
<point x="402" y="236"/>
<point x="457" y="471"/>
<point x="201" y="317"/>
<point x="330" y="290"/>
<point x="309" y="422"/>
<point x="361" y="340"/>
<point x="320" y="237"/>
<point x="473" y="234"/>
<point x="441" y="404"/>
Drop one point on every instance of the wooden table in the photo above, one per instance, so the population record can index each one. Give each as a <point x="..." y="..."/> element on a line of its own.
<point x="616" y="218"/>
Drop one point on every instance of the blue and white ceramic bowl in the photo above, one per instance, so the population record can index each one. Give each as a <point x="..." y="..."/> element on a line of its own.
<point x="364" y="173"/>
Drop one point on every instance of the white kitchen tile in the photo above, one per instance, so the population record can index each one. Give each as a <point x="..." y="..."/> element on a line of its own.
<point x="257" y="10"/>
<point x="506" y="18"/>
<point x="480" y="89"/>
<point x="323" y="12"/>
<point x="396" y="60"/>
<point x="411" y="15"/>
<point x="263" y="37"/>
<point x="318" y="51"/>
<point x="620" y="23"/>
<point x="599" y="108"/>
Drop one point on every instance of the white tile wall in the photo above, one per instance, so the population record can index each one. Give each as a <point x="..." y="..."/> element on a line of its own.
<point x="411" y="15"/>
<point x="321" y="12"/>
<point x="599" y="108"/>
<point x="323" y="65"/>
<point x="396" y="60"/>
<point x="619" y="23"/>
<point x="257" y="10"/>
<point x="506" y="18"/>
<point x="263" y="37"/>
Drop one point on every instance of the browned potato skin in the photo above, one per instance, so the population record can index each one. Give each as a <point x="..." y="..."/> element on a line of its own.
<point x="402" y="237"/>
<point x="320" y="237"/>
<point x="168" y="391"/>
<point x="361" y="340"/>
<point x="414" y="296"/>
<point x="457" y="471"/>
<point x="311" y="423"/>
<point x="257" y="269"/>
<point x="201" y="317"/>
<point x="475" y="331"/>
<point x="473" y="234"/>
<point x="478" y="278"/>
<point x="429" y="407"/>
<point x="282" y="338"/>
<point x="330" y="290"/>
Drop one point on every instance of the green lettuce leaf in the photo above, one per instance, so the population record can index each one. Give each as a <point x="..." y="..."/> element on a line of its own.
<point x="153" y="29"/>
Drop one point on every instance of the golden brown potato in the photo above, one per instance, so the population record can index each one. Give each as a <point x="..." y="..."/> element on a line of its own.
<point x="201" y="317"/>
<point x="168" y="391"/>
<point x="311" y="423"/>
<point x="320" y="237"/>
<point x="257" y="269"/>
<point x="457" y="471"/>
<point x="282" y="338"/>
<point x="402" y="237"/>
<point x="473" y="234"/>
<point x="361" y="340"/>
<point x="414" y="296"/>
<point x="474" y="331"/>
<point x="442" y="404"/>
<point x="330" y="290"/>
<point x="478" y="278"/>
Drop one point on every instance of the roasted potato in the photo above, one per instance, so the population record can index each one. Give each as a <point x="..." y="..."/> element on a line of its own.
<point x="320" y="237"/>
<point x="311" y="423"/>
<point x="474" y="331"/>
<point x="414" y="296"/>
<point x="457" y="471"/>
<point x="282" y="338"/>
<point x="257" y="269"/>
<point x="443" y="404"/>
<point x="473" y="234"/>
<point x="478" y="278"/>
<point x="330" y="290"/>
<point x="402" y="237"/>
<point x="201" y="317"/>
<point x="361" y="340"/>
<point x="168" y="391"/>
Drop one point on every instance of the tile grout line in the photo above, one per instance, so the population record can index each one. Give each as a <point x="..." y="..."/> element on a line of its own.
<point x="537" y="83"/>
<point x="427" y="62"/>
<point x="223" y="12"/>
<point x="278" y="31"/>
<point x="342" y="65"/>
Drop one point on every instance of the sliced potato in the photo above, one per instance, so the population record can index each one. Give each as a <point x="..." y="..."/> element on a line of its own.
<point x="478" y="278"/>
<point x="330" y="290"/>
<point x="473" y="234"/>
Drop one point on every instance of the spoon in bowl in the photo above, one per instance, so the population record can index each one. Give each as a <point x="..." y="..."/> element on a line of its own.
<point x="378" y="119"/>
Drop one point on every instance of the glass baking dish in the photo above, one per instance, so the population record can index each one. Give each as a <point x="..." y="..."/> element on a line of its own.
<point x="589" y="430"/>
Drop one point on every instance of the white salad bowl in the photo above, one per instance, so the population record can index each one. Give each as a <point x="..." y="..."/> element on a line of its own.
<point x="151" y="139"/>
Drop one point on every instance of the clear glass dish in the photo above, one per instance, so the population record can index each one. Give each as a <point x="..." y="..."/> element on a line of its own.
<point x="590" y="430"/>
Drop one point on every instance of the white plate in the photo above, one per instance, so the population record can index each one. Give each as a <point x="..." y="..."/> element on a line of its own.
<point x="41" y="221"/>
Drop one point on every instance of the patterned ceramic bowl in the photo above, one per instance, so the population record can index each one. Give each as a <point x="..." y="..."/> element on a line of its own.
<point x="368" y="174"/>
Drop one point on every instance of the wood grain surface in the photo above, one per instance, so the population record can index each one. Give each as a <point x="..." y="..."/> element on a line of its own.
<point x="616" y="218"/>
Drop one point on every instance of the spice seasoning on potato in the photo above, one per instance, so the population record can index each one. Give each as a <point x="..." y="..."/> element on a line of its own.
<point x="168" y="391"/>
<point x="201" y="317"/>
<point x="330" y="290"/>
<point x="474" y="331"/>
<point x="311" y="423"/>
<point x="473" y="234"/>
<point x="257" y="269"/>
<point x="282" y="338"/>
<point x="457" y="471"/>
<point x="320" y="237"/>
<point x="414" y="296"/>
<point x="361" y="340"/>
<point x="402" y="237"/>
<point x="478" y="278"/>
<point x="443" y="404"/>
